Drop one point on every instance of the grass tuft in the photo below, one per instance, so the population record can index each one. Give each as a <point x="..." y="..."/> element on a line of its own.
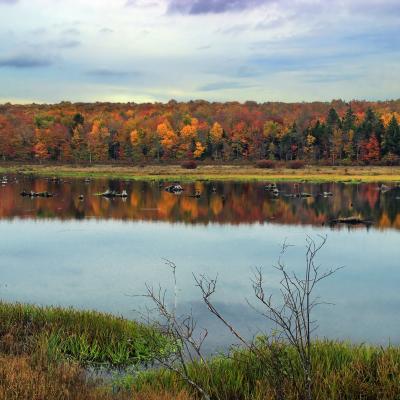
<point x="87" y="337"/>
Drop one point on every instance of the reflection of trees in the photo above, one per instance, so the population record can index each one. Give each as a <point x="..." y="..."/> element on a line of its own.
<point x="225" y="203"/>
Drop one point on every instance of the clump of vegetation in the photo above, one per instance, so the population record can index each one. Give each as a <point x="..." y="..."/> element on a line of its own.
<point x="23" y="377"/>
<point x="340" y="371"/>
<point x="267" y="164"/>
<point x="189" y="164"/>
<point x="86" y="337"/>
<point x="296" y="164"/>
<point x="35" y="378"/>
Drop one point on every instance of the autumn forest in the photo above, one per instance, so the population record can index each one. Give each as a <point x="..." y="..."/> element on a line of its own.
<point x="357" y="132"/>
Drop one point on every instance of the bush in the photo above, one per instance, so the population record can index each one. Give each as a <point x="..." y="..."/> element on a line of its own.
<point x="391" y="159"/>
<point x="189" y="164"/>
<point x="346" y="162"/>
<point x="267" y="164"/>
<point x="296" y="164"/>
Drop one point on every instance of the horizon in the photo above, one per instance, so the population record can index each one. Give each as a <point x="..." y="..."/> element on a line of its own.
<point x="348" y="102"/>
<point x="218" y="50"/>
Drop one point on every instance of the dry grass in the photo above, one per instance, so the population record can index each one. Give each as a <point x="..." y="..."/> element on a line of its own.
<point x="214" y="172"/>
<point x="22" y="378"/>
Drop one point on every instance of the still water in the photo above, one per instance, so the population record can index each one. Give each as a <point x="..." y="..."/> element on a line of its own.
<point x="96" y="253"/>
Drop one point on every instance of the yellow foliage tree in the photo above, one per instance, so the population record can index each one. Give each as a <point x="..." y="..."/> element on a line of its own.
<point x="167" y="136"/>
<point x="199" y="150"/>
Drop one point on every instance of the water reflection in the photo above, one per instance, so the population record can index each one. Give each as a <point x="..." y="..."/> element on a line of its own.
<point x="223" y="203"/>
<point x="97" y="264"/>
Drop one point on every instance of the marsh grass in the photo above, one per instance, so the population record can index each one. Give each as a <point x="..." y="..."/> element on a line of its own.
<point x="244" y="172"/>
<point x="340" y="371"/>
<point x="44" y="352"/>
<point x="86" y="337"/>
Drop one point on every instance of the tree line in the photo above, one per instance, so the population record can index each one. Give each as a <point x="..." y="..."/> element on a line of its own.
<point x="333" y="133"/>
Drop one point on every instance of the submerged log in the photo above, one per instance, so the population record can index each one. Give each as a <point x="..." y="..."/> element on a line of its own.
<point x="174" y="188"/>
<point x="271" y="187"/>
<point x="350" y="221"/>
<point x="24" y="193"/>
<point x="112" y="193"/>
<point x="197" y="195"/>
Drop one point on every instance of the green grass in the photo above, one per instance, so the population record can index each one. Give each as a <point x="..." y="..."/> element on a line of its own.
<point x="86" y="337"/>
<point x="340" y="371"/>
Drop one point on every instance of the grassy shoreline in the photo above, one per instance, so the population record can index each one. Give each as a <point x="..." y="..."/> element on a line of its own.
<point x="242" y="173"/>
<point x="34" y="366"/>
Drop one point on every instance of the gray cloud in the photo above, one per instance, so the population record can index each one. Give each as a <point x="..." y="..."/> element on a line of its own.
<point x="299" y="8"/>
<point x="38" y="31"/>
<point x="71" y="31"/>
<point x="213" y="6"/>
<point x="141" y="3"/>
<point x="106" y="73"/>
<point x="106" y="30"/>
<point x="67" y="44"/>
<point x="223" y="85"/>
<point x="23" y="61"/>
<point x="235" y="29"/>
<point x="206" y="47"/>
<point x="331" y="77"/>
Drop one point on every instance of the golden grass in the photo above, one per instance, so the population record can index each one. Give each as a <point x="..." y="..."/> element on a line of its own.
<point x="23" y="378"/>
<point x="214" y="172"/>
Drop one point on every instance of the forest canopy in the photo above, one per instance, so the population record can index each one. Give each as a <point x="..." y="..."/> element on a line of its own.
<point x="336" y="132"/>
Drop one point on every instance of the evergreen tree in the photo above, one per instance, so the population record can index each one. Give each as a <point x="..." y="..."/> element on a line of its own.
<point x="391" y="142"/>
<point x="333" y="120"/>
<point x="349" y="121"/>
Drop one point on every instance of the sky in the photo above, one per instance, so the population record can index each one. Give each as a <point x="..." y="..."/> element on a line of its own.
<point x="216" y="50"/>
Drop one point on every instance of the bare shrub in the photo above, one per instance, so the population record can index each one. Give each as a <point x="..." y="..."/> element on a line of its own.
<point x="189" y="164"/>
<point x="291" y="317"/>
<point x="266" y="164"/>
<point x="296" y="164"/>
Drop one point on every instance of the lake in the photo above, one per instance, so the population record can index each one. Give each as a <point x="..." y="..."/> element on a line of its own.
<point x="96" y="253"/>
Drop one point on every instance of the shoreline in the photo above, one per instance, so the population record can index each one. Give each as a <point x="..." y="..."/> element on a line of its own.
<point x="242" y="173"/>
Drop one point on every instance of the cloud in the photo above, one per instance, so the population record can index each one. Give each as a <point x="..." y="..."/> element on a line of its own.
<point x="71" y="31"/>
<point x="38" y="31"/>
<point x="375" y="7"/>
<point x="67" y="44"/>
<point x="106" y="30"/>
<point x="331" y="77"/>
<point x="141" y="3"/>
<point x="210" y="87"/>
<point x="23" y="61"/>
<point x="235" y="29"/>
<point x="195" y="7"/>
<point x="105" y="73"/>
<point x="206" y="47"/>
